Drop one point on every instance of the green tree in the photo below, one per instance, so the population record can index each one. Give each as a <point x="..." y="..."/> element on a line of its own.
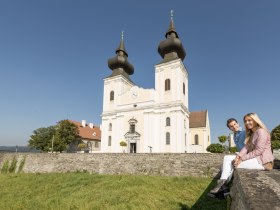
<point x="123" y="144"/>
<point x="66" y="132"/>
<point x="215" y="148"/>
<point x="222" y="139"/>
<point x="82" y="146"/>
<point x="41" y="138"/>
<point x="275" y="137"/>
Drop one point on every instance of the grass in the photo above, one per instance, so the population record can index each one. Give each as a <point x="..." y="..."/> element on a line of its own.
<point x="85" y="191"/>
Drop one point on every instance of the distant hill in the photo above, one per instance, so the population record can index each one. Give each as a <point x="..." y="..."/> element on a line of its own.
<point x="17" y="149"/>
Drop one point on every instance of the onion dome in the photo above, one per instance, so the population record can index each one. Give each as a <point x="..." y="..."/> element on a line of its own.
<point x="119" y="64"/>
<point x="171" y="48"/>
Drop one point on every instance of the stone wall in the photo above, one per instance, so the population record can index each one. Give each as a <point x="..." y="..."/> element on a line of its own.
<point x="167" y="164"/>
<point x="254" y="189"/>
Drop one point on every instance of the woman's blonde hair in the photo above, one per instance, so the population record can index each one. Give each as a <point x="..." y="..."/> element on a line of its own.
<point x="260" y="124"/>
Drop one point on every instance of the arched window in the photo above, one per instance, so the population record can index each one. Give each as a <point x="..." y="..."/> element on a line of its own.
<point x="167" y="84"/>
<point x="112" y="96"/>
<point x="168" y="121"/>
<point x="110" y="126"/>
<point x="167" y="138"/>
<point x="196" y="139"/>
<point x="184" y="88"/>
<point x="109" y="141"/>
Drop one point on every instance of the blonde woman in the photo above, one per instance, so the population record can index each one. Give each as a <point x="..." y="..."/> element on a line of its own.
<point x="256" y="154"/>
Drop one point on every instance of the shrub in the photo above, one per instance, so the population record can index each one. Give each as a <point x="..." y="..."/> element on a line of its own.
<point x="275" y="137"/>
<point x="215" y="148"/>
<point x="5" y="167"/>
<point x="123" y="144"/>
<point x="21" y="164"/>
<point x="275" y="144"/>
<point x="13" y="166"/>
<point x="232" y="149"/>
<point x="82" y="146"/>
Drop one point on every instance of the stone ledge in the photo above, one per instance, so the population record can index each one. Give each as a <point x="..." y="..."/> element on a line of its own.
<point x="256" y="190"/>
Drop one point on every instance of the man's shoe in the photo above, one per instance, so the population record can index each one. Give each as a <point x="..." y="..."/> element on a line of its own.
<point x="218" y="195"/>
<point x="216" y="189"/>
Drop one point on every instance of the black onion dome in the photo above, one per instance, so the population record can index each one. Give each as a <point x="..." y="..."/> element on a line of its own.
<point x="171" y="48"/>
<point x="120" y="63"/>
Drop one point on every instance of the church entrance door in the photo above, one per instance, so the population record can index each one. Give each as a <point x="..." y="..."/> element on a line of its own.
<point x="132" y="147"/>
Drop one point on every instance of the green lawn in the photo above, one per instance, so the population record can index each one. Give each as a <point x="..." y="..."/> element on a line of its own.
<point x="86" y="191"/>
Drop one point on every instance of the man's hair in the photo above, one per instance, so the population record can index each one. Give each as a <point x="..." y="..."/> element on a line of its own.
<point x="230" y="120"/>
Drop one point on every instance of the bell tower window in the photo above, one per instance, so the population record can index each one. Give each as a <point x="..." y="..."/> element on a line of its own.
<point x="168" y="121"/>
<point x="167" y="84"/>
<point x="112" y="96"/>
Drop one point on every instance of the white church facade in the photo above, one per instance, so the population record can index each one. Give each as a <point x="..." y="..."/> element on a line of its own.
<point x="150" y="120"/>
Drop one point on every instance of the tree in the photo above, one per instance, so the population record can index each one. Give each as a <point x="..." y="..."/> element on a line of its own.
<point x="222" y="139"/>
<point x="66" y="132"/>
<point x="275" y="137"/>
<point x="215" y="148"/>
<point x="82" y="146"/>
<point x="41" y="138"/>
<point x="123" y="144"/>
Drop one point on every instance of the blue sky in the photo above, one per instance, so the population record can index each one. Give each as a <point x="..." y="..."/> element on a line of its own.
<point x="53" y="58"/>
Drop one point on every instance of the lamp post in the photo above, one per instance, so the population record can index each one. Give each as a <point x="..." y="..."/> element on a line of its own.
<point x="150" y="148"/>
<point x="52" y="143"/>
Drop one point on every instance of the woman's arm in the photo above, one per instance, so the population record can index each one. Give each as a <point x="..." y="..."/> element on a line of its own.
<point x="260" y="138"/>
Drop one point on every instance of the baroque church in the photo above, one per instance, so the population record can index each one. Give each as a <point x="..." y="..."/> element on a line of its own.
<point x="152" y="120"/>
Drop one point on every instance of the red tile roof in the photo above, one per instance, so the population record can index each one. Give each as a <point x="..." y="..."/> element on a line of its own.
<point x="87" y="132"/>
<point x="198" y="119"/>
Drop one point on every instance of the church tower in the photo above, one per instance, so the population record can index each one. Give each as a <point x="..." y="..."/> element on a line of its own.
<point x="171" y="74"/>
<point x="115" y="86"/>
<point x="171" y="85"/>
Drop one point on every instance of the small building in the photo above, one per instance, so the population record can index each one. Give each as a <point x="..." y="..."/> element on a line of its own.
<point x="89" y="134"/>
<point x="199" y="132"/>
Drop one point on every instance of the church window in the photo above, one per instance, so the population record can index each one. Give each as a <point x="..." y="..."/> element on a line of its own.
<point x="185" y="139"/>
<point x="109" y="141"/>
<point x="112" y="96"/>
<point x="185" y="123"/>
<point x="167" y="84"/>
<point x="196" y="139"/>
<point x="184" y="88"/>
<point x="110" y="126"/>
<point x="132" y="128"/>
<point x="168" y="121"/>
<point x="167" y="138"/>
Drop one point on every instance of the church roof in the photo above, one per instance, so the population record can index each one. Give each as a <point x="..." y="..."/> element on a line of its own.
<point x="87" y="132"/>
<point x="119" y="64"/>
<point x="198" y="119"/>
<point x="171" y="48"/>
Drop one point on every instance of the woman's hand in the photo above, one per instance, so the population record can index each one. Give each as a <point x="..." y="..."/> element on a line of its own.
<point x="237" y="161"/>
